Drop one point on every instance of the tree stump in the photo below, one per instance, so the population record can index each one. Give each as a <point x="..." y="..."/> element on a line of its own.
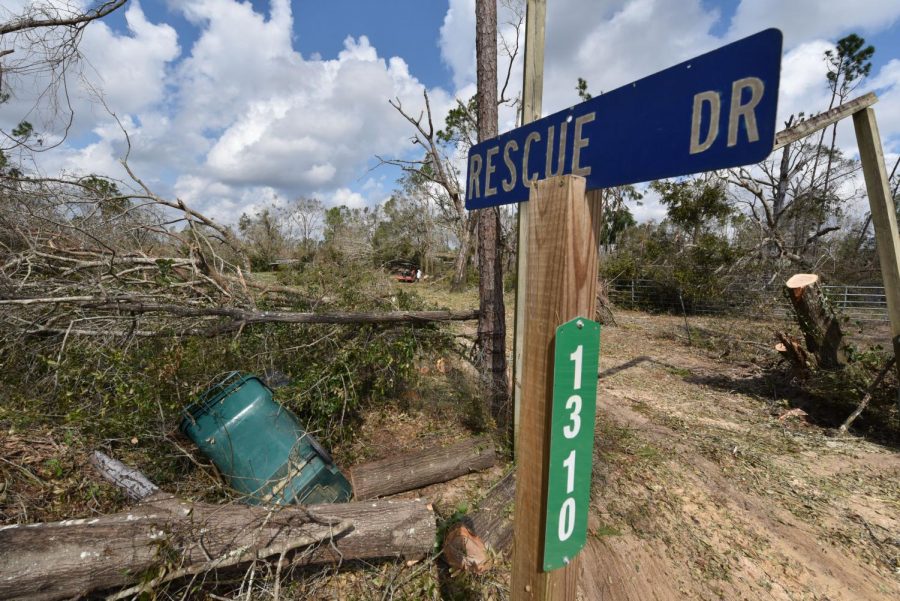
<point x="817" y="319"/>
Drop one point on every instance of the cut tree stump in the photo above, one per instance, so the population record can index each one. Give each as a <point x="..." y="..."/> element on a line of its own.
<point x="164" y="538"/>
<point x="489" y="526"/>
<point x="412" y="471"/>
<point x="817" y="319"/>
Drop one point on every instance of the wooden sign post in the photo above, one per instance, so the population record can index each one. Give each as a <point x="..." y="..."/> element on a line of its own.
<point x="715" y="111"/>
<point x="884" y="217"/>
<point x="563" y="261"/>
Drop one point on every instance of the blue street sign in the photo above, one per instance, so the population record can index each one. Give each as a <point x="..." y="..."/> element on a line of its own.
<point x="712" y="112"/>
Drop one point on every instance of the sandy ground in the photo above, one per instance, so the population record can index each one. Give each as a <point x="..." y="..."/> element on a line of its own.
<point x="702" y="491"/>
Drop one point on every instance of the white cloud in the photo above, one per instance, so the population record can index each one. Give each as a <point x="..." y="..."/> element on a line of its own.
<point x="346" y="197"/>
<point x="457" y="41"/>
<point x="130" y="69"/>
<point x="802" y="20"/>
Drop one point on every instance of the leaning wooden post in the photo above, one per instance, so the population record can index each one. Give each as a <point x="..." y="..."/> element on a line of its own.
<point x="563" y="257"/>
<point x="884" y="218"/>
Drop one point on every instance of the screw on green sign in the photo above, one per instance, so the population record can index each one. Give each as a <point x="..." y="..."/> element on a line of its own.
<point x="575" y="365"/>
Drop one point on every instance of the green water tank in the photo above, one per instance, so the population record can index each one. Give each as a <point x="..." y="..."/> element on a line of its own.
<point x="260" y="447"/>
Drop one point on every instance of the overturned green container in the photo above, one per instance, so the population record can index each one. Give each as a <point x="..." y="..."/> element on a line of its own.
<point x="259" y="446"/>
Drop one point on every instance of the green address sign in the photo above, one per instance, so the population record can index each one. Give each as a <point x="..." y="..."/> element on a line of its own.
<point x="575" y="366"/>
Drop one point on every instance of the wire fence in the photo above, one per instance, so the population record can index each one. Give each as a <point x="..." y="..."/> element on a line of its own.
<point x="857" y="303"/>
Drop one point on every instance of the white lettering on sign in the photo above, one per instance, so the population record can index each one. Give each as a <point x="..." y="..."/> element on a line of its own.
<point x="578" y="357"/>
<point x="474" y="173"/>
<point x="569" y="464"/>
<point x="560" y="161"/>
<point x="532" y="137"/>
<point x="579" y="143"/>
<point x="745" y="111"/>
<point x="711" y="98"/>
<point x="566" y="522"/>
<point x="566" y="519"/>
<point x="485" y="167"/>
<point x="738" y="110"/>
<point x="573" y="405"/>
<point x="509" y="184"/>
<point x="489" y="168"/>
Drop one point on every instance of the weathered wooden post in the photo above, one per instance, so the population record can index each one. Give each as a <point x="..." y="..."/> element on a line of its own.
<point x="563" y="258"/>
<point x="532" y="93"/>
<point x="712" y="112"/>
<point x="884" y="219"/>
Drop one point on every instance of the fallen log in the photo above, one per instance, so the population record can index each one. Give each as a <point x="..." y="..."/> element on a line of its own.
<point x="164" y="538"/>
<point x="412" y="471"/>
<point x="490" y="526"/>
<point x="133" y="483"/>
<point x="817" y="319"/>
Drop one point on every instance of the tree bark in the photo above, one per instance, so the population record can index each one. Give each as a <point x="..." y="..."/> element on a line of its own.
<point x="462" y="255"/>
<point x="817" y="319"/>
<point x="492" y="316"/>
<point x="133" y="483"/>
<point x="172" y="537"/>
<point x="416" y="470"/>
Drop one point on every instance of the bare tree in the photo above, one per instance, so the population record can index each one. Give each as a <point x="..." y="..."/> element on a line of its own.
<point x="41" y="42"/>
<point x="788" y="203"/>
<point x="437" y="179"/>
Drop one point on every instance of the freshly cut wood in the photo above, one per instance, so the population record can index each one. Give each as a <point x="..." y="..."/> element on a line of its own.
<point x="489" y="526"/>
<point x="465" y="551"/>
<point x="411" y="471"/>
<point x="168" y="537"/>
<point x="492" y="519"/>
<point x="817" y="319"/>
<point x="791" y="349"/>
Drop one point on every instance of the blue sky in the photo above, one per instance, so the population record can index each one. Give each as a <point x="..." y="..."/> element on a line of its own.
<point x="233" y="106"/>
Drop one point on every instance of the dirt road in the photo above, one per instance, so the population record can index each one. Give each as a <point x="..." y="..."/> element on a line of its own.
<point x="702" y="491"/>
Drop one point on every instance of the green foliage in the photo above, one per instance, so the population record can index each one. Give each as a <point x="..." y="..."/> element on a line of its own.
<point x="461" y="125"/>
<point x="694" y="205"/>
<point x="23" y="131"/>
<point x="109" y="395"/>
<point x="106" y="194"/>
<point x="692" y="273"/>
<point x="582" y="88"/>
<point x="848" y="62"/>
<point x="402" y="233"/>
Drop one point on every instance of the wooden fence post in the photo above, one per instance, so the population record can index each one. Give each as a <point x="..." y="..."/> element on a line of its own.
<point x="563" y="261"/>
<point x="884" y="217"/>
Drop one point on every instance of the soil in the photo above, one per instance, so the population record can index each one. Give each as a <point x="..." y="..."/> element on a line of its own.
<point x="707" y="486"/>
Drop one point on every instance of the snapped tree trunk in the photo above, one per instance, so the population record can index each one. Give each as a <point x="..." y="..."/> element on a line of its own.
<point x="817" y="319"/>
<point x="164" y="537"/>
<point x="492" y="315"/>
<point x="462" y="254"/>
<point x="411" y="471"/>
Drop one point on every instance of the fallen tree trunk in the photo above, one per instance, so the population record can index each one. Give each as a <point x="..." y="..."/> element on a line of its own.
<point x="489" y="526"/>
<point x="817" y="319"/>
<point x="411" y="471"/>
<point x="165" y="538"/>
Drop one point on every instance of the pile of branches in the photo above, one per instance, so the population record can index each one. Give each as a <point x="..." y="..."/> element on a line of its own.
<point x="79" y="257"/>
